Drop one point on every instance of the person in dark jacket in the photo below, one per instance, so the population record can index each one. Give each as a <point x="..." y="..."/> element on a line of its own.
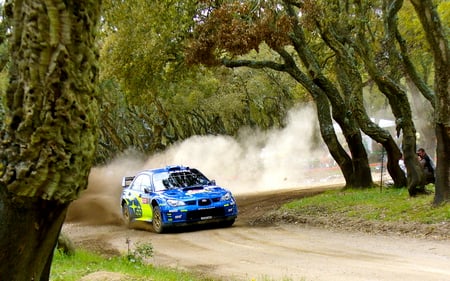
<point x="427" y="165"/>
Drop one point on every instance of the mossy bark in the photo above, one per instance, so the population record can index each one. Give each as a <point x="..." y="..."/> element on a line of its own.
<point x="438" y="41"/>
<point x="50" y="132"/>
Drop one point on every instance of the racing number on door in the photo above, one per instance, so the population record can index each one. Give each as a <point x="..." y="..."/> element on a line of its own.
<point x="135" y="207"/>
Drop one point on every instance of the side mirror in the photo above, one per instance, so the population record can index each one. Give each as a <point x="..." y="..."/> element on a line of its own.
<point x="212" y="182"/>
<point x="146" y="190"/>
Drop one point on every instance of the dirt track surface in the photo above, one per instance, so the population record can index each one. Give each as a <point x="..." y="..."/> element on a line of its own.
<point x="276" y="250"/>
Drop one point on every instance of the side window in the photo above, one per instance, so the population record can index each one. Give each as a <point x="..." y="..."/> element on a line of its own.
<point x="145" y="183"/>
<point x="137" y="184"/>
<point x="141" y="182"/>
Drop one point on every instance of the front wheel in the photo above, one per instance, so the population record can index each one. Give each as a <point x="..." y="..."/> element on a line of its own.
<point x="157" y="221"/>
<point x="227" y="223"/>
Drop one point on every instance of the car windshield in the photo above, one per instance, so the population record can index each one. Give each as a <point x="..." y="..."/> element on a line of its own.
<point x="178" y="179"/>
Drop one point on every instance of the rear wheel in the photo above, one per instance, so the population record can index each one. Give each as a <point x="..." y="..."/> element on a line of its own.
<point x="157" y="221"/>
<point x="126" y="217"/>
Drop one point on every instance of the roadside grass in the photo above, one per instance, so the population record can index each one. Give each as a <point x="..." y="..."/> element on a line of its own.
<point x="82" y="263"/>
<point x="374" y="204"/>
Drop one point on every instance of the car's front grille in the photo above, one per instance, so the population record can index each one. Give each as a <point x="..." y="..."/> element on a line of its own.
<point x="204" y="202"/>
<point x="206" y="214"/>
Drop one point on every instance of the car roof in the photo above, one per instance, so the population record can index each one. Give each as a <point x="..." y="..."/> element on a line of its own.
<point x="167" y="169"/>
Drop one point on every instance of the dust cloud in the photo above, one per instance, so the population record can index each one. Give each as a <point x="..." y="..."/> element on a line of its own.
<point x="99" y="203"/>
<point x="255" y="161"/>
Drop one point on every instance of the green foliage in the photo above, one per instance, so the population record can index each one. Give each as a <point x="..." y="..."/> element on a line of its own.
<point x="72" y="268"/>
<point x="389" y="204"/>
<point x="151" y="98"/>
<point x="143" y="43"/>
<point x="140" y="253"/>
<point x="411" y="28"/>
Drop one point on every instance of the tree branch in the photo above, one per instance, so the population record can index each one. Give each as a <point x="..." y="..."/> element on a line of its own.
<point x="253" y="64"/>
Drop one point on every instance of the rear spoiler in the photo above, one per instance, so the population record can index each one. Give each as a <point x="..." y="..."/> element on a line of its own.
<point x="126" y="181"/>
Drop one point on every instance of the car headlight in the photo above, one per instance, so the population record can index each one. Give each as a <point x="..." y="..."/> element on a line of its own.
<point x="174" y="203"/>
<point x="226" y="197"/>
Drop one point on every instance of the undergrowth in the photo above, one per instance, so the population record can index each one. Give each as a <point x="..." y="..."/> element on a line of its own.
<point x="374" y="204"/>
<point x="130" y="266"/>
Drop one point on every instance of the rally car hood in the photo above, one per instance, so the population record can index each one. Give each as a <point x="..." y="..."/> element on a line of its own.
<point x="194" y="192"/>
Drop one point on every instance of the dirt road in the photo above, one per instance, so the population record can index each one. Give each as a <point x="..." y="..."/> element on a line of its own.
<point x="277" y="251"/>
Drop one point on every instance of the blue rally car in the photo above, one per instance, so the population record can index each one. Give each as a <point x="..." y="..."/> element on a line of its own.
<point x="175" y="196"/>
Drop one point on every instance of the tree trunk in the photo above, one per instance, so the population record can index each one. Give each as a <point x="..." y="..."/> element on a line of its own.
<point x="336" y="150"/>
<point x="400" y="106"/>
<point x="442" y="190"/>
<point x="35" y="225"/>
<point x="351" y="83"/>
<point x="50" y="132"/>
<point x="353" y="177"/>
<point x="438" y="42"/>
<point x="361" y="174"/>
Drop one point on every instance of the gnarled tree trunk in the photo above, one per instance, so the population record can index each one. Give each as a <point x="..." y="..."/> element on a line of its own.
<point x="50" y="133"/>
<point x="438" y="41"/>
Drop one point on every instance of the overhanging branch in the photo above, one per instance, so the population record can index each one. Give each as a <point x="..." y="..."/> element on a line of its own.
<point x="254" y="64"/>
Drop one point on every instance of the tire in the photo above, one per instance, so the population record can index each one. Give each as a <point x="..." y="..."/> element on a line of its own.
<point x="126" y="217"/>
<point x="157" y="221"/>
<point x="227" y="223"/>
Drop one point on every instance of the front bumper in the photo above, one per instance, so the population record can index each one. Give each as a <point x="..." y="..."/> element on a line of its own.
<point x="189" y="215"/>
